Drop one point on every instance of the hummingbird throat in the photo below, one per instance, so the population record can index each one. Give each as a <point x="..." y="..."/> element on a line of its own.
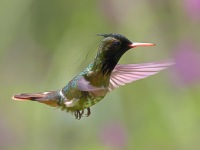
<point x="104" y="64"/>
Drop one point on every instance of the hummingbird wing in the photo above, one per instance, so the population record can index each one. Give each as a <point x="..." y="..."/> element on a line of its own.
<point x="85" y="85"/>
<point x="127" y="73"/>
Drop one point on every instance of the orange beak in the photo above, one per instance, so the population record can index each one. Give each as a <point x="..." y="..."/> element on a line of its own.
<point x="140" y="44"/>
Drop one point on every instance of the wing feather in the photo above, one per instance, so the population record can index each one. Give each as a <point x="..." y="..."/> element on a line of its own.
<point x="127" y="73"/>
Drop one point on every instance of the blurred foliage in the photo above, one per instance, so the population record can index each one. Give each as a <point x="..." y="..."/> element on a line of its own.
<point x="42" y="43"/>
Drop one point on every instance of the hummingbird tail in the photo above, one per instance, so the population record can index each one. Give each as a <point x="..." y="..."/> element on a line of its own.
<point x="44" y="97"/>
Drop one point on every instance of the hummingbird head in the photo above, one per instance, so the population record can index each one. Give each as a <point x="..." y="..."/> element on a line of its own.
<point x="111" y="49"/>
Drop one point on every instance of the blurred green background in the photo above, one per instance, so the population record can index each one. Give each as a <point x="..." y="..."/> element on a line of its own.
<point x="42" y="45"/>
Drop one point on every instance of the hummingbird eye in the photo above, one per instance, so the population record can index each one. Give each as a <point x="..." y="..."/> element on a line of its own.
<point x="116" y="43"/>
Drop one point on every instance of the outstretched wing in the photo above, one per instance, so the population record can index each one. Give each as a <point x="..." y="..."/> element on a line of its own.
<point x="127" y="73"/>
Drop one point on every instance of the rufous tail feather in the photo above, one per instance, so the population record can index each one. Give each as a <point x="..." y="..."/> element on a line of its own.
<point x="39" y="97"/>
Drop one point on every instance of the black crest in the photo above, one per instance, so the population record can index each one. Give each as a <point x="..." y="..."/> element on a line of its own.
<point x="120" y="37"/>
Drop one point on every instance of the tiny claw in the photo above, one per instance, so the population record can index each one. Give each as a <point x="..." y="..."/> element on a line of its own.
<point x="88" y="112"/>
<point x="78" y="115"/>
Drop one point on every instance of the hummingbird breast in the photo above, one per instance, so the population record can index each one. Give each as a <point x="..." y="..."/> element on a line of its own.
<point x="81" y="97"/>
<point x="83" y="101"/>
<point x="73" y="99"/>
<point x="92" y="100"/>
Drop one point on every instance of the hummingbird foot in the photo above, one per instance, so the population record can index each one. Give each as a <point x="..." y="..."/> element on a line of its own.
<point x="88" y="112"/>
<point x="79" y="114"/>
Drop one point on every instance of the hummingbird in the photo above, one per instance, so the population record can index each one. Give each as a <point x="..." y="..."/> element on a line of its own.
<point x="101" y="76"/>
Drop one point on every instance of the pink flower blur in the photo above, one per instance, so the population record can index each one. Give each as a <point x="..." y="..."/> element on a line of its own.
<point x="188" y="62"/>
<point x="192" y="8"/>
<point x="113" y="135"/>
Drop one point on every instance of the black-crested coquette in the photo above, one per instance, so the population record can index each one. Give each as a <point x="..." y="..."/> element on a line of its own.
<point x="102" y="75"/>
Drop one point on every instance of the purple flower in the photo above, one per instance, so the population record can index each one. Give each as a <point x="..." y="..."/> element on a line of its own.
<point x="188" y="62"/>
<point x="114" y="136"/>
<point x="192" y="8"/>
